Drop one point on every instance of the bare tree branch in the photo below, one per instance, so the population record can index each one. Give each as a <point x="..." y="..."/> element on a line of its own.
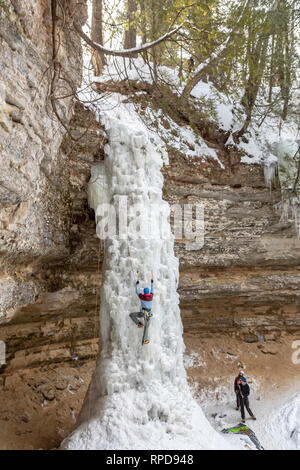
<point x="124" y="52"/>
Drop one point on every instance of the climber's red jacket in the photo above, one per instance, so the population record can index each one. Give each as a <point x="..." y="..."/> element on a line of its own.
<point x="146" y="299"/>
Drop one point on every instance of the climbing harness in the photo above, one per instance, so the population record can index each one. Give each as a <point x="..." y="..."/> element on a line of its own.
<point x="147" y="314"/>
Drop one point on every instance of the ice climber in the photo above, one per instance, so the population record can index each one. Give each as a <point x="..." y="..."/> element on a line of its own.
<point x="191" y="65"/>
<point x="146" y="310"/>
<point x="236" y="388"/>
<point x="243" y="394"/>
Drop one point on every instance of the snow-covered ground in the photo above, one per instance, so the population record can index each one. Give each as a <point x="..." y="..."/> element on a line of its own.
<point x="163" y="131"/>
<point x="267" y="129"/>
<point x="264" y="133"/>
<point x="281" y="427"/>
<point x="120" y="68"/>
<point x="207" y="93"/>
<point x="277" y="411"/>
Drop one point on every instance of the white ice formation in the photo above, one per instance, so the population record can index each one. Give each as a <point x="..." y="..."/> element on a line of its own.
<point x="139" y="397"/>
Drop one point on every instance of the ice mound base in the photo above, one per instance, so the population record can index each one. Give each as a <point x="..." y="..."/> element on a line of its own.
<point x="139" y="397"/>
<point x="284" y="426"/>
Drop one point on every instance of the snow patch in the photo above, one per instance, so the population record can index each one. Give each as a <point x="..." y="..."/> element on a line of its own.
<point x="284" y="425"/>
<point x="222" y="103"/>
<point x="135" y="69"/>
<point x="193" y="360"/>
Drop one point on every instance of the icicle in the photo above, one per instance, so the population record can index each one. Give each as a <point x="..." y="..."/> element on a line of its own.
<point x="296" y="214"/>
<point x="284" y="207"/>
<point x="287" y="172"/>
<point x="270" y="173"/>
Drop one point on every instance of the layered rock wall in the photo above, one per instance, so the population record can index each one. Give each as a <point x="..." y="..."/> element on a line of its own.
<point x="245" y="281"/>
<point x="42" y="186"/>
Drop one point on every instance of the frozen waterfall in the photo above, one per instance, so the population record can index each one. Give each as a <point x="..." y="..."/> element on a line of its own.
<point x="139" y="397"/>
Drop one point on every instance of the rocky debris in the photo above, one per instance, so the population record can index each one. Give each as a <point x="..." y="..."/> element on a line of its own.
<point x="37" y="410"/>
<point x="25" y="418"/>
<point x="48" y="392"/>
<point x="5" y="110"/>
<point x="270" y="348"/>
<point x="61" y="384"/>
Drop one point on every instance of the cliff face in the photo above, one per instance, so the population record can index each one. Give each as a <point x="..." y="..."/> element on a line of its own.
<point x="245" y="281"/>
<point x="40" y="187"/>
<point x="35" y="179"/>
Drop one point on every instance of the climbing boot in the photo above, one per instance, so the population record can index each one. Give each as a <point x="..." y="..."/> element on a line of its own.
<point x="253" y="417"/>
<point x="140" y="325"/>
<point x="243" y="420"/>
<point x="146" y="341"/>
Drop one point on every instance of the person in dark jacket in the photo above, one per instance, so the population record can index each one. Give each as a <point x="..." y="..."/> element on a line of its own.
<point x="236" y="388"/>
<point x="243" y="393"/>
<point x="145" y="312"/>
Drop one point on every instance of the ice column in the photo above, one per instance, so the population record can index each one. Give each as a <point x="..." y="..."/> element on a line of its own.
<point x="139" y="397"/>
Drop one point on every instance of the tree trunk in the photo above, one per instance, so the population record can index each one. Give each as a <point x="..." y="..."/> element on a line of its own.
<point x="256" y="71"/>
<point x="130" y="33"/>
<point x="286" y="82"/>
<point x="98" y="59"/>
<point x="285" y="87"/>
<point x="153" y="33"/>
<point x="257" y="48"/>
<point x="213" y="63"/>
<point x="143" y="27"/>
<point x="271" y="79"/>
